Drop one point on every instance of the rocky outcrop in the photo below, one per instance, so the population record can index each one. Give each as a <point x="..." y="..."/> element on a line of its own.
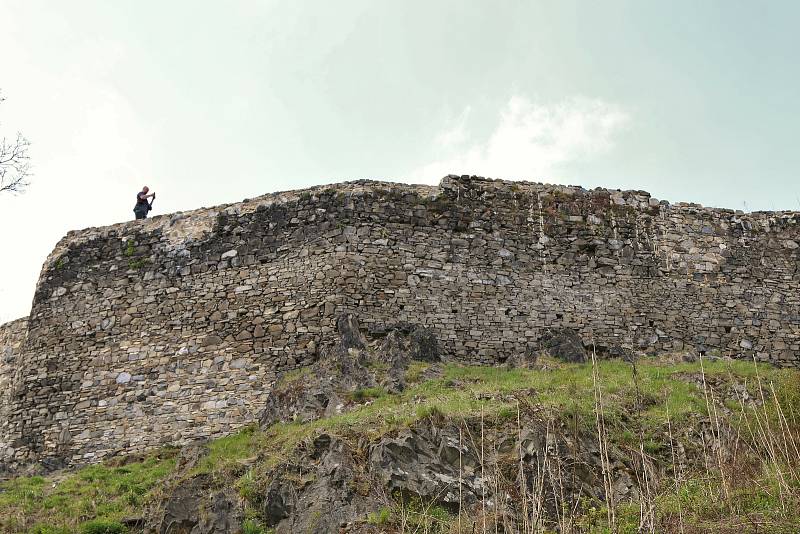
<point x="351" y="366"/>
<point x="194" y="503"/>
<point x="563" y="344"/>
<point x="322" y="491"/>
<point x="430" y="462"/>
<point x="194" y="506"/>
<point x="331" y="483"/>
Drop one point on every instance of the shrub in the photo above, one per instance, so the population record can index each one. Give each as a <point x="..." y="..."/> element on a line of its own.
<point x="425" y="411"/>
<point x="364" y="394"/>
<point x="252" y="526"/>
<point x="381" y="517"/>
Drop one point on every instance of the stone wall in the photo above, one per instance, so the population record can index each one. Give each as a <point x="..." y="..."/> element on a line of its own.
<point x="174" y="328"/>
<point x="12" y="337"/>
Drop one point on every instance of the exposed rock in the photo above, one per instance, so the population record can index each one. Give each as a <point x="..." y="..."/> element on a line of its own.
<point x="194" y="507"/>
<point x="190" y="455"/>
<point x="353" y="364"/>
<point x="614" y="351"/>
<point x="331" y="484"/>
<point x="194" y="504"/>
<point x="525" y="360"/>
<point x="350" y="332"/>
<point x="181" y="508"/>
<point x="327" y="492"/>
<point x="224" y="516"/>
<point x="430" y="462"/>
<point x="564" y="344"/>
<point x="424" y="345"/>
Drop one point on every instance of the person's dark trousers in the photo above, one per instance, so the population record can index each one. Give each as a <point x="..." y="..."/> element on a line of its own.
<point x="140" y="214"/>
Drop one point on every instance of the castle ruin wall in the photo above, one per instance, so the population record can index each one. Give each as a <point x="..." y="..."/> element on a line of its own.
<point x="174" y="328"/>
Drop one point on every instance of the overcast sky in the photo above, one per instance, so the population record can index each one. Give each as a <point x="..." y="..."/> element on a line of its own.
<point x="212" y="102"/>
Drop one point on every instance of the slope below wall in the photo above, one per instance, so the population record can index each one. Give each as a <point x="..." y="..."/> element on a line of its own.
<point x="174" y="328"/>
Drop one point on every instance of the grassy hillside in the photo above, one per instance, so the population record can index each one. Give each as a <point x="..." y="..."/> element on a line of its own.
<point x="709" y="447"/>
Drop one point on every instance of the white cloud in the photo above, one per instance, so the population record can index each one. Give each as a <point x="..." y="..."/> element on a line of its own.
<point x="530" y="141"/>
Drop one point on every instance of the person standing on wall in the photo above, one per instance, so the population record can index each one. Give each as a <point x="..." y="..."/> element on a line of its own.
<point x="142" y="205"/>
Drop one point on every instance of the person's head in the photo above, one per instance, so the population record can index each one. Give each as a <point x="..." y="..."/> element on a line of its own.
<point x="145" y="189"/>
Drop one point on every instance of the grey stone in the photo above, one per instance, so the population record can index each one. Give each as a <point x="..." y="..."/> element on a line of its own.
<point x="212" y="340"/>
<point x="123" y="378"/>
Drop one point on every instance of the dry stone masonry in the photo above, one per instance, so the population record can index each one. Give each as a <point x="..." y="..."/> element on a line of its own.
<point x="174" y="328"/>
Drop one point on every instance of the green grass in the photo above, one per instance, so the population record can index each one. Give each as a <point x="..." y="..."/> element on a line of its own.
<point x="253" y="526"/>
<point x="414" y="514"/>
<point x="293" y="376"/>
<point x="47" y="529"/>
<point x="138" y="263"/>
<point x="365" y="394"/>
<point x="231" y="451"/>
<point x="415" y="370"/>
<point x="380" y="517"/>
<point x="102" y="526"/>
<point x="754" y="505"/>
<point x="464" y="391"/>
<point x="130" y="253"/>
<point x="99" y="492"/>
<point x="108" y="494"/>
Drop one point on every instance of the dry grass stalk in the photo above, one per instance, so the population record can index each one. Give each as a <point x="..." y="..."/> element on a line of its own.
<point x="715" y="430"/>
<point x="523" y="486"/>
<point x="768" y="439"/>
<point x="725" y="486"/>
<point x="790" y="449"/>
<point x="498" y="508"/>
<point x="483" y="475"/>
<point x="676" y="473"/>
<point x="602" y="439"/>
<point x="646" y="505"/>
<point x="460" y="473"/>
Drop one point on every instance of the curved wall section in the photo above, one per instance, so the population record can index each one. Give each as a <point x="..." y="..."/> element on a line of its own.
<point x="174" y="328"/>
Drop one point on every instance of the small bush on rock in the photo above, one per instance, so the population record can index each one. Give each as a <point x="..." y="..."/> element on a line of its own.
<point x="365" y="394"/>
<point x="381" y="517"/>
<point x="251" y="526"/>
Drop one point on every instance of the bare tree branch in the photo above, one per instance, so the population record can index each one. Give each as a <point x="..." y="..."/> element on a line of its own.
<point x="14" y="163"/>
